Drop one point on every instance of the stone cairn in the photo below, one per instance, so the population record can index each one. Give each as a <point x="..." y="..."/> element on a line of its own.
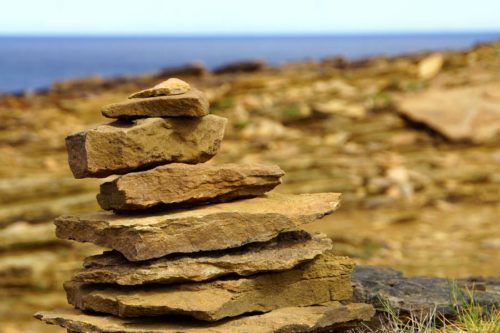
<point x="195" y="247"/>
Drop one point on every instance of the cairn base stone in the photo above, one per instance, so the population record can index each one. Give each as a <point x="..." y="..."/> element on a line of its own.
<point x="283" y="253"/>
<point x="322" y="280"/>
<point x="285" y="320"/>
<point x="193" y="103"/>
<point x="177" y="183"/>
<point x="203" y="228"/>
<point x="125" y="146"/>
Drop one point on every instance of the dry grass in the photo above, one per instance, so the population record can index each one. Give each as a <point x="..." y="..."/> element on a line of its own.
<point x="470" y="317"/>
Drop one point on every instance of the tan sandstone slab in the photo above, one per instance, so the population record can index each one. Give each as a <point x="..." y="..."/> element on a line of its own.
<point x="178" y="183"/>
<point x="124" y="146"/>
<point x="459" y="114"/>
<point x="326" y="278"/>
<point x="282" y="253"/>
<point x="285" y="320"/>
<point x="193" y="103"/>
<point x="172" y="86"/>
<point x="203" y="228"/>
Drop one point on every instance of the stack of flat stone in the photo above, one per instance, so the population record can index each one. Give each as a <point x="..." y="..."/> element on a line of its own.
<point x="196" y="247"/>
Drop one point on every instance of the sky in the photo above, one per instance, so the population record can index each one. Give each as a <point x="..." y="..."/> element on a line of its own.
<point x="236" y="17"/>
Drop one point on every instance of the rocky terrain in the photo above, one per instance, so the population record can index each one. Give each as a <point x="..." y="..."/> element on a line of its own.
<point x="412" y="142"/>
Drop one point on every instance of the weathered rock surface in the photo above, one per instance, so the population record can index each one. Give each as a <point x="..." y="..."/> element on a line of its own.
<point x="45" y="209"/>
<point x="324" y="279"/>
<point x="193" y="103"/>
<point x="285" y="252"/>
<point x="172" y="86"/>
<point x="285" y="320"/>
<point x="26" y="270"/>
<point x="124" y="146"/>
<point x="244" y="66"/>
<point x="25" y="235"/>
<point x="204" y="228"/>
<point x="430" y="66"/>
<point x="459" y="114"/>
<point x="421" y="294"/>
<point x="188" y="184"/>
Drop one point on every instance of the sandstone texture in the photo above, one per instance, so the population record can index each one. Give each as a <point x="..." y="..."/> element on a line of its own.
<point x="187" y="184"/>
<point x="285" y="320"/>
<point x="460" y="114"/>
<point x="124" y="146"/>
<point x="325" y="279"/>
<point x="172" y="86"/>
<point x="204" y="228"/>
<point x="282" y="253"/>
<point x="193" y="103"/>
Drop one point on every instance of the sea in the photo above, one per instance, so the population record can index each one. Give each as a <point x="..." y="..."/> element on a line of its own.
<point x="31" y="63"/>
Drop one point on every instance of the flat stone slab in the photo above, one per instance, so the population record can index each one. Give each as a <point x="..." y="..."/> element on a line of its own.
<point x="172" y="86"/>
<point x="193" y="103"/>
<point x="285" y="320"/>
<point x="324" y="279"/>
<point x="282" y="253"/>
<point x="175" y="184"/>
<point x="202" y="228"/>
<point x="125" y="146"/>
<point x="460" y="114"/>
<point x="421" y="294"/>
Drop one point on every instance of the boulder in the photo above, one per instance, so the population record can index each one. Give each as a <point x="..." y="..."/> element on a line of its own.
<point x="125" y="146"/>
<point x="244" y="66"/>
<point x="195" y="69"/>
<point x="193" y="103"/>
<point x="470" y="114"/>
<point x="430" y="66"/>
<point x="203" y="228"/>
<point x="178" y="183"/>
<point x="285" y="320"/>
<point x="327" y="278"/>
<point x="282" y="253"/>
<point x="422" y="294"/>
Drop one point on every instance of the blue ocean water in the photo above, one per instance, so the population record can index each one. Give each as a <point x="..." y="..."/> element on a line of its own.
<point x="34" y="62"/>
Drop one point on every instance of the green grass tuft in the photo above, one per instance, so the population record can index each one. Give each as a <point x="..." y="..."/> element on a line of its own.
<point x="470" y="317"/>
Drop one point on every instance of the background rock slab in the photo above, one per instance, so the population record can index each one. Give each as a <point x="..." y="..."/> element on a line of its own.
<point x="421" y="294"/>
<point x="285" y="320"/>
<point x="326" y="278"/>
<point x="284" y="252"/>
<point x="204" y="228"/>
<point x="124" y="146"/>
<point x="183" y="183"/>
<point x="459" y="114"/>
<point x="193" y="103"/>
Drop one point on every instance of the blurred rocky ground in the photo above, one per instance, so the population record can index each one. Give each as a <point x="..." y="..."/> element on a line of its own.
<point x="412" y="142"/>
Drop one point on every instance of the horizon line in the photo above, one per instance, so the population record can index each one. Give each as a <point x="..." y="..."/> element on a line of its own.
<point x="266" y="34"/>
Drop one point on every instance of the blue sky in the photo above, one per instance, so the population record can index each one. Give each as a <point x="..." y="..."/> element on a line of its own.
<point x="209" y="17"/>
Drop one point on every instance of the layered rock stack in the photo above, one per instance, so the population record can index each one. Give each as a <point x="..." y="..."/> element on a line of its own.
<point x="195" y="247"/>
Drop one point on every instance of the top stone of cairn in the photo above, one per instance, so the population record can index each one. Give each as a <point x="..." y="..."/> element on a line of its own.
<point x="172" y="86"/>
<point x="171" y="98"/>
